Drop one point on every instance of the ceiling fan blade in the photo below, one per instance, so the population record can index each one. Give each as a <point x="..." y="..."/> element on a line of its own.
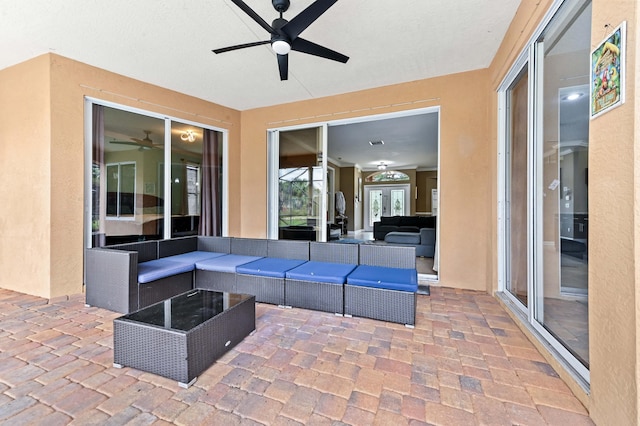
<point x="125" y="143"/>
<point x="308" y="47"/>
<point x="240" y="46"/>
<point x="305" y="18"/>
<point x="283" y="66"/>
<point x="246" y="9"/>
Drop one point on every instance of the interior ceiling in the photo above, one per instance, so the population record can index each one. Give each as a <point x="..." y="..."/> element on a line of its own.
<point x="168" y="43"/>
<point x="409" y="143"/>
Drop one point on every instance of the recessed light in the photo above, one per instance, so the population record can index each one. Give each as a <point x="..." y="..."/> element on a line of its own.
<point x="573" y="96"/>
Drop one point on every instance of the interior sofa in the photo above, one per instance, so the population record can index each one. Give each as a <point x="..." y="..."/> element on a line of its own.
<point x="304" y="274"/>
<point x="307" y="232"/>
<point x="388" y="224"/>
<point x="424" y="241"/>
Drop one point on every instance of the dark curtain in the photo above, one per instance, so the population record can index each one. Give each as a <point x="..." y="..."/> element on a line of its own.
<point x="97" y="174"/>
<point x="211" y="205"/>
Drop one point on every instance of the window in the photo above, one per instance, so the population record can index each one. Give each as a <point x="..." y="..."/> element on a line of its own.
<point x="121" y="190"/>
<point x="387" y="176"/>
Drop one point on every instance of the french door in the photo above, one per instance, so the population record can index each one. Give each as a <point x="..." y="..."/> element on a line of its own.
<point x="385" y="200"/>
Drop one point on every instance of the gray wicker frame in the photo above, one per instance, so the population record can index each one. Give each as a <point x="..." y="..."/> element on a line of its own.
<point x="387" y="256"/>
<point x="381" y="304"/>
<point x="317" y="295"/>
<point x="314" y="295"/>
<point x="215" y="244"/>
<point x="270" y="289"/>
<point x="215" y="280"/>
<point x="112" y="277"/>
<point x="265" y="289"/>
<point x="288" y="249"/>
<point x="177" y="246"/>
<point x="377" y="303"/>
<point x="181" y="355"/>
<point x="249" y="246"/>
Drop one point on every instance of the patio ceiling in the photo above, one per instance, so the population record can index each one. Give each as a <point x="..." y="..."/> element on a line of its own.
<point x="168" y="43"/>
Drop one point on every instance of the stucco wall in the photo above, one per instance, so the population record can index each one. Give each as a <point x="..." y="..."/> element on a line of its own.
<point x="464" y="152"/>
<point x="614" y="236"/>
<point x="25" y="164"/>
<point x="46" y="100"/>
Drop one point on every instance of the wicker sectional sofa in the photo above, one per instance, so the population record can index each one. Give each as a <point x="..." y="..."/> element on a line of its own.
<point x="372" y="281"/>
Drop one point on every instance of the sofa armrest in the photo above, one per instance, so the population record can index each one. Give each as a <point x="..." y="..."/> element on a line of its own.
<point x="112" y="279"/>
<point x="428" y="236"/>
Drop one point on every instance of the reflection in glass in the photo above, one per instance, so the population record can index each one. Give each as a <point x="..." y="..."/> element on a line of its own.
<point x="300" y="185"/>
<point x="128" y="152"/>
<point x="128" y="178"/>
<point x="565" y="210"/>
<point x="516" y="194"/>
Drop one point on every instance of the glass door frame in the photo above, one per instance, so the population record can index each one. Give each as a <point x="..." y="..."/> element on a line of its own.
<point x="273" y="166"/>
<point x="532" y="57"/>
<point x="88" y="152"/>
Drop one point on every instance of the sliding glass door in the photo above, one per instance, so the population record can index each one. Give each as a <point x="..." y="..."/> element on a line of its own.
<point x="545" y="209"/>
<point x="147" y="171"/>
<point x="298" y="184"/>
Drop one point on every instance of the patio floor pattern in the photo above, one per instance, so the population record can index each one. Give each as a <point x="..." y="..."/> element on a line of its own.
<point x="464" y="363"/>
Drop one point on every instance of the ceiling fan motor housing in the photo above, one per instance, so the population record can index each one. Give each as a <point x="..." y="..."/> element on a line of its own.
<point x="281" y="5"/>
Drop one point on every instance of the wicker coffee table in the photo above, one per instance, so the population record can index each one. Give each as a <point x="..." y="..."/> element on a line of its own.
<point x="181" y="337"/>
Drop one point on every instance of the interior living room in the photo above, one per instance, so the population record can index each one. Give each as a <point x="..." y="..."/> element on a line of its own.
<point x="377" y="167"/>
<point x="533" y="314"/>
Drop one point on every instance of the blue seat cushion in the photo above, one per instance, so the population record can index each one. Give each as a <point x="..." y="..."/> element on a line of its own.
<point x="194" y="256"/>
<point x="226" y="263"/>
<point x="161" y="268"/>
<point x="383" y="277"/>
<point x="323" y="272"/>
<point x="269" y="267"/>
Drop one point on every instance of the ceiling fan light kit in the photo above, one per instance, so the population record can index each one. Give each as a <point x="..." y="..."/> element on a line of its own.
<point x="284" y="34"/>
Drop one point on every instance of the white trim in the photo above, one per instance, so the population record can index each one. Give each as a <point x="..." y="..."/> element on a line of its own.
<point x="273" y="155"/>
<point x="88" y="169"/>
<point x="167" y="182"/>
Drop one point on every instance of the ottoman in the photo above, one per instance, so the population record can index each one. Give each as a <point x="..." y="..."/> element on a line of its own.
<point x="409" y="238"/>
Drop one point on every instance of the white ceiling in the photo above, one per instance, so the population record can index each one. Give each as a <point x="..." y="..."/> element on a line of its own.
<point x="169" y="42"/>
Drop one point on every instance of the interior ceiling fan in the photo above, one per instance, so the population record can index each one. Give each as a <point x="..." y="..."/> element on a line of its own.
<point x="145" y="143"/>
<point x="284" y="34"/>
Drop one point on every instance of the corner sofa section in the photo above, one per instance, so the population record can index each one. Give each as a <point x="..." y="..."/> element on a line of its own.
<point x="320" y="276"/>
<point x="388" y="224"/>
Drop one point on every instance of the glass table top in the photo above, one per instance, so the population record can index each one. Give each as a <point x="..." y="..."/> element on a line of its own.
<point x="187" y="310"/>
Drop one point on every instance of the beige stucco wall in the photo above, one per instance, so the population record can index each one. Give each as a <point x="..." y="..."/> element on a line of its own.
<point x="614" y="215"/>
<point x="42" y="106"/>
<point x="464" y="152"/>
<point x="25" y="165"/>
<point x="614" y="236"/>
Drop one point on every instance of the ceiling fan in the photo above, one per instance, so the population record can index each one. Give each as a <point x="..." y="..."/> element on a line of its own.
<point x="284" y="34"/>
<point x="143" y="144"/>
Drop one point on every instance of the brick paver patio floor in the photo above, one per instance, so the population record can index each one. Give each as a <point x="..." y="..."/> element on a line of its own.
<point x="464" y="363"/>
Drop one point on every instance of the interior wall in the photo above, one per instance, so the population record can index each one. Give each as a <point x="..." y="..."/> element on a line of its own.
<point x="54" y="158"/>
<point x="25" y="158"/>
<point x="465" y="182"/>
<point x="425" y="182"/>
<point x="614" y="234"/>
